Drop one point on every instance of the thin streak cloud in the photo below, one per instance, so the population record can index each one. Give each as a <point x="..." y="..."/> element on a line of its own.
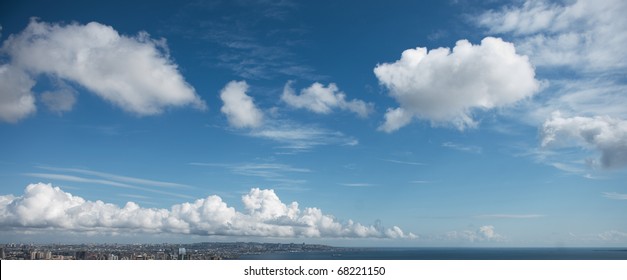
<point x="510" y="216"/>
<point x="77" y="179"/>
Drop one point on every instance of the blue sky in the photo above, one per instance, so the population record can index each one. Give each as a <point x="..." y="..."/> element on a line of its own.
<point x="403" y="123"/>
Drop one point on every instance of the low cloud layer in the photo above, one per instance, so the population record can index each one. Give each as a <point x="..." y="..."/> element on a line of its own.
<point x="239" y="108"/>
<point x="482" y="234"/>
<point x="323" y="100"/>
<point x="133" y="73"/>
<point x="606" y="134"/>
<point x="444" y="86"/>
<point x="43" y="206"/>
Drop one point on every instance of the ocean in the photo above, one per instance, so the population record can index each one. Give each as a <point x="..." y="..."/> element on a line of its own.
<point x="449" y="254"/>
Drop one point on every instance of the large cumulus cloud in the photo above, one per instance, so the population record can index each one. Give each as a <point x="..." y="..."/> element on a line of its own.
<point x="444" y="86"/>
<point x="134" y="73"/>
<point x="43" y="206"/>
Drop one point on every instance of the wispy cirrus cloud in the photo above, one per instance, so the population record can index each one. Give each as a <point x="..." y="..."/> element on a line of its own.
<point x="119" y="178"/>
<point x="263" y="170"/>
<point x="462" y="147"/>
<point x="403" y="162"/>
<point x="358" y="185"/>
<point x="301" y="137"/>
<point x="588" y="35"/>
<point x="510" y="216"/>
<point x="615" y="195"/>
<point x="107" y="179"/>
<point x="282" y="176"/>
<point x="240" y="45"/>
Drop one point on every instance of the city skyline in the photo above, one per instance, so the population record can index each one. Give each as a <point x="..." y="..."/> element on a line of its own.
<point x="402" y="123"/>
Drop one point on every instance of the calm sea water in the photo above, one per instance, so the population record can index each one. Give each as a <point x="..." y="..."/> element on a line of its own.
<point x="451" y="254"/>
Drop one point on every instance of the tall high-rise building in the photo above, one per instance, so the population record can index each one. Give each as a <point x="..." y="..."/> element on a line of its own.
<point x="182" y="254"/>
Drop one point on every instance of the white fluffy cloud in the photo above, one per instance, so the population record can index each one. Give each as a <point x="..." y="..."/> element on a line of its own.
<point x="606" y="134"/>
<point x="43" y="206"/>
<point x="238" y="107"/>
<point x="444" y="86"/>
<point x="587" y="34"/>
<point x="322" y="100"/>
<point x="134" y="73"/>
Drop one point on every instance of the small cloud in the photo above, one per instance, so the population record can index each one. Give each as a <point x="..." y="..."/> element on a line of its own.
<point x="322" y="100"/>
<point x="614" y="195"/>
<point x="238" y="107"/>
<point x="420" y="182"/>
<point x="357" y="185"/>
<point x="403" y="162"/>
<point x="463" y="148"/>
<point x="301" y="137"/>
<point x="510" y="216"/>
<point x="263" y="170"/>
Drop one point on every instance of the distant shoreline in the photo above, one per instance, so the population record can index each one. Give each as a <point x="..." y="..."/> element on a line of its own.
<point x="296" y="251"/>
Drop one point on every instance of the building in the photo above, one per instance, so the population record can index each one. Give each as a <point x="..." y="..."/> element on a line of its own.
<point x="81" y="255"/>
<point x="182" y="254"/>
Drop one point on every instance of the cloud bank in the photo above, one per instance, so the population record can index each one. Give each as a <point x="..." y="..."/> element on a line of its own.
<point x="605" y="134"/>
<point x="238" y="107"/>
<point x="133" y="73"/>
<point x="444" y="86"/>
<point x="482" y="234"/>
<point x="322" y="100"/>
<point x="43" y="206"/>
